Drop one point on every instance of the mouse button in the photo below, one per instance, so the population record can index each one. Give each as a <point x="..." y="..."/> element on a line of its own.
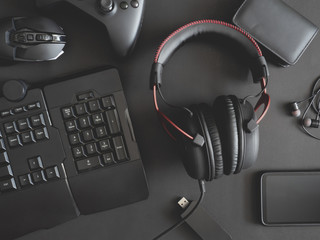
<point x="39" y="24"/>
<point x="40" y="52"/>
<point x="6" y="50"/>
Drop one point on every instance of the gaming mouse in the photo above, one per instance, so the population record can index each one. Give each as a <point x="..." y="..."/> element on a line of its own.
<point x="30" y="39"/>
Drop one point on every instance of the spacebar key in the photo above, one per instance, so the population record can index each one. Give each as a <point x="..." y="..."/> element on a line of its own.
<point x="88" y="163"/>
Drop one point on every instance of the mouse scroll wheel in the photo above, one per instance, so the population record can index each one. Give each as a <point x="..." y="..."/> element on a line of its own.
<point x="43" y="37"/>
<point x="20" y="38"/>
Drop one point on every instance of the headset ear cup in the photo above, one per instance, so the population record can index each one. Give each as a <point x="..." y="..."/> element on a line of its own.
<point x="214" y="139"/>
<point x="226" y="121"/>
<point x="194" y="157"/>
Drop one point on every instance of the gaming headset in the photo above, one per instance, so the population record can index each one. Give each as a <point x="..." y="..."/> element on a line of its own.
<point x="224" y="138"/>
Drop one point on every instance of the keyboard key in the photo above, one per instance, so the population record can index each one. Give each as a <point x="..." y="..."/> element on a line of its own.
<point x="74" y="139"/>
<point x="2" y="146"/>
<point x="120" y="148"/>
<point x="85" y="96"/>
<point x="84" y="122"/>
<point x="9" y="128"/>
<point x="108" y="158"/>
<point x="71" y="126"/>
<point x="14" y="141"/>
<point x="35" y="163"/>
<point x="77" y="152"/>
<point x="104" y="145"/>
<point x="113" y="121"/>
<point x="37" y="121"/>
<point x="67" y="113"/>
<point x="88" y="163"/>
<point x="33" y="106"/>
<point x="5" y="113"/>
<point x="37" y="177"/>
<point x="80" y="109"/>
<point x="101" y="132"/>
<point x="41" y="134"/>
<point x="26" y="137"/>
<point x="97" y="119"/>
<point x="108" y="102"/>
<point x="8" y="185"/>
<point x="87" y="135"/>
<point x="18" y="110"/>
<point x="52" y="173"/>
<point x="4" y="159"/>
<point x="25" y="180"/>
<point x="91" y="148"/>
<point x="22" y="124"/>
<point x="5" y="172"/>
<point x="93" y="106"/>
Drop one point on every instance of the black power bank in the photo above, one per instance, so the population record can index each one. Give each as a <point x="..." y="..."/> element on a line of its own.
<point x="290" y="198"/>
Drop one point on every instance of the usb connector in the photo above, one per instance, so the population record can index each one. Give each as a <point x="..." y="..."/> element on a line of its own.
<point x="183" y="203"/>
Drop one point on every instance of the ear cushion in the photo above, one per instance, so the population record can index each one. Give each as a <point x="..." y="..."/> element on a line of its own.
<point x="214" y="138"/>
<point x="241" y="134"/>
<point x="225" y="116"/>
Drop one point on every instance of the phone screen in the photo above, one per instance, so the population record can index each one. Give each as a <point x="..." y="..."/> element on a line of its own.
<point x="290" y="198"/>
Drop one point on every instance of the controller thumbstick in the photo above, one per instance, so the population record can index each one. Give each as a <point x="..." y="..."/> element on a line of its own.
<point x="14" y="90"/>
<point x="105" y="6"/>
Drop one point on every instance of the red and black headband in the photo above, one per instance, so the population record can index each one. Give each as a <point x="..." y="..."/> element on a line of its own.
<point x="175" y="40"/>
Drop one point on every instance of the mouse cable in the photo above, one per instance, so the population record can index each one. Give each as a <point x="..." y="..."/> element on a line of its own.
<point x="182" y="220"/>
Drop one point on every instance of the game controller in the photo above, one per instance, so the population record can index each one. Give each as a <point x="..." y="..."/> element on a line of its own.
<point x="122" y="18"/>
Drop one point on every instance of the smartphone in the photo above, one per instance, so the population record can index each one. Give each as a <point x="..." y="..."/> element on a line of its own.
<point x="290" y="198"/>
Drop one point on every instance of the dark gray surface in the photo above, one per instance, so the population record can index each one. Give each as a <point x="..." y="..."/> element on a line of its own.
<point x="198" y="72"/>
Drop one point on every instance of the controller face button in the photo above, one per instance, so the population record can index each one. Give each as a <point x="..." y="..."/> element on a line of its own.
<point x="124" y="5"/>
<point x="134" y="3"/>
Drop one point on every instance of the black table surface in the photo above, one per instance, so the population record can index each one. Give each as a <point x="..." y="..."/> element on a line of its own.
<point x="199" y="72"/>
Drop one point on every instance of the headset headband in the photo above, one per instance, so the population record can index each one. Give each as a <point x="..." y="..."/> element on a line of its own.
<point x="174" y="41"/>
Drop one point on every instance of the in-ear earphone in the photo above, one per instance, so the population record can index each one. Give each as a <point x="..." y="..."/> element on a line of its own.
<point x="314" y="104"/>
<point x="314" y="123"/>
<point x="294" y="109"/>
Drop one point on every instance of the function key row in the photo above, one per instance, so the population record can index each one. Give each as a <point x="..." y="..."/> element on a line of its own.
<point x="20" y="109"/>
<point x="24" y="124"/>
<point x="92" y="106"/>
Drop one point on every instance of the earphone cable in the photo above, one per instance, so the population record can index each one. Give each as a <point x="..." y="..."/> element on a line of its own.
<point x="304" y="116"/>
<point x="182" y="220"/>
<point x="315" y="95"/>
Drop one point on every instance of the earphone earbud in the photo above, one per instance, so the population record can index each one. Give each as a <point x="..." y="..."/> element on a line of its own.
<point x="308" y="122"/>
<point x="294" y="109"/>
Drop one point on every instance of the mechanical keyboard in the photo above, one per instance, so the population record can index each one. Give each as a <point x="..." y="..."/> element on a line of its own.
<point x="67" y="149"/>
